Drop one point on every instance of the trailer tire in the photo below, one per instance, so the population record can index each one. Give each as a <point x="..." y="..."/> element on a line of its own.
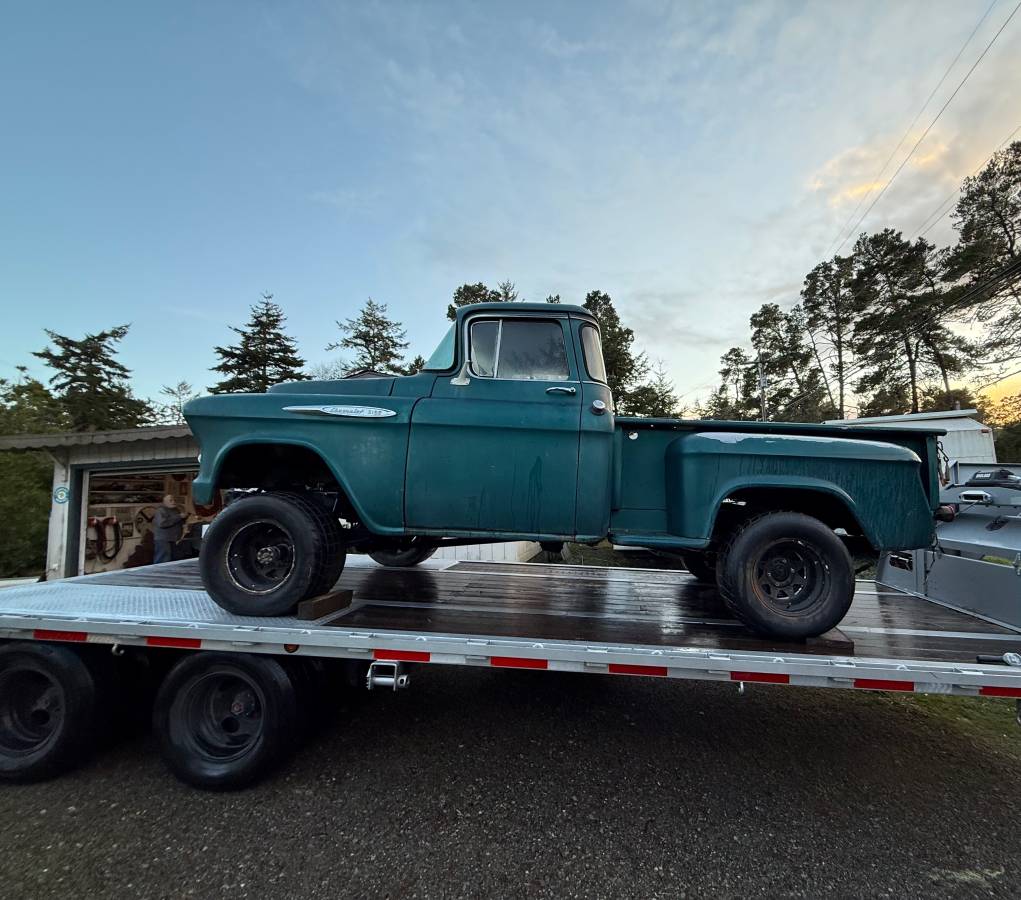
<point x="417" y="552"/>
<point x="223" y="720"/>
<point x="48" y="711"/>
<point x="701" y="566"/>
<point x="265" y="553"/>
<point x="786" y="575"/>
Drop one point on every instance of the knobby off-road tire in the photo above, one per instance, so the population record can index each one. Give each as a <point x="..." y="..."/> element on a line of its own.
<point x="404" y="557"/>
<point x="786" y="575"/>
<point x="267" y="552"/>
<point x="702" y="566"/>
<point x="223" y="720"/>
<point x="49" y="711"/>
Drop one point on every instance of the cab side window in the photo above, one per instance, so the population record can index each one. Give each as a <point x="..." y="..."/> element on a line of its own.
<point x="520" y="349"/>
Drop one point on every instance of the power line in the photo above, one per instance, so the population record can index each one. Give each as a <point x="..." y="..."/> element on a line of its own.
<point x="929" y="127"/>
<point x="925" y="222"/>
<point x="907" y="131"/>
<point x="1006" y="274"/>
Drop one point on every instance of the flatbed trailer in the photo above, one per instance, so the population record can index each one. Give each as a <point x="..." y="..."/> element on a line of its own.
<point x="542" y="617"/>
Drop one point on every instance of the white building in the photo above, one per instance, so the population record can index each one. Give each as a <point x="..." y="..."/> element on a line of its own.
<point x="966" y="438"/>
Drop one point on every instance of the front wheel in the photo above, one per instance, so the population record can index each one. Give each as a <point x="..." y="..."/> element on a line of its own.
<point x="267" y="552"/>
<point x="786" y="575"/>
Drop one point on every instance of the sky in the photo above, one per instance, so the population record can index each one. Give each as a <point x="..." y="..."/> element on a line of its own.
<point x="163" y="165"/>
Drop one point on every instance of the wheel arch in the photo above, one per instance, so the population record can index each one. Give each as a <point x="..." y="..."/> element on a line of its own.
<point x="254" y="462"/>
<point x="821" y="500"/>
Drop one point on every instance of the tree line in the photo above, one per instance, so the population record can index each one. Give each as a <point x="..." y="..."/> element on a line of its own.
<point x="89" y="389"/>
<point x="895" y="324"/>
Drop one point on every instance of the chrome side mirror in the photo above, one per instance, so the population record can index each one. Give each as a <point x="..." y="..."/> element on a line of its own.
<point x="462" y="377"/>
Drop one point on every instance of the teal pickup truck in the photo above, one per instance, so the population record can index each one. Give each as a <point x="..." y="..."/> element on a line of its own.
<point x="509" y="433"/>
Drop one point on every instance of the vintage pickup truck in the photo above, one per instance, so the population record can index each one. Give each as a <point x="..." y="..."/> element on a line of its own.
<point x="509" y="433"/>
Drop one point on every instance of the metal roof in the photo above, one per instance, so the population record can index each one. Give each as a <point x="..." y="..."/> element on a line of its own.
<point x="83" y="438"/>
<point x="907" y="417"/>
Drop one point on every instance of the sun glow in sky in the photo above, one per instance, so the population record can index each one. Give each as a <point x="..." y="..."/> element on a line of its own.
<point x="165" y="164"/>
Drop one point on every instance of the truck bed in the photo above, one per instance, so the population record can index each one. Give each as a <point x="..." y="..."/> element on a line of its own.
<point x="554" y="617"/>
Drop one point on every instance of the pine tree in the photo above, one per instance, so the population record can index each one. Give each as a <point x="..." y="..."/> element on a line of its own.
<point x="467" y="294"/>
<point x="625" y="369"/>
<point x="377" y="341"/>
<point x="263" y="356"/>
<point x="657" y="397"/>
<point x="171" y="411"/>
<point x="91" y="384"/>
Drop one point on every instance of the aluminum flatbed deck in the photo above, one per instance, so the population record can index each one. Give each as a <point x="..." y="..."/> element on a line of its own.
<point x="534" y="616"/>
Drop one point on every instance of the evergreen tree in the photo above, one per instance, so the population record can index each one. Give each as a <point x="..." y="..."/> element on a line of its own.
<point x="625" y="369"/>
<point x="91" y="384"/>
<point x="900" y="334"/>
<point x="263" y="356"/>
<point x="377" y="341"/>
<point x="794" y="382"/>
<point x="988" y="220"/>
<point x="414" y="367"/>
<point x="26" y="479"/>
<point x="171" y="410"/>
<point x="467" y="294"/>
<point x="830" y="309"/>
<point x="657" y="397"/>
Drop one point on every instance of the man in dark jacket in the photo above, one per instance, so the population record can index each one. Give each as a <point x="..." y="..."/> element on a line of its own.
<point x="167" y="526"/>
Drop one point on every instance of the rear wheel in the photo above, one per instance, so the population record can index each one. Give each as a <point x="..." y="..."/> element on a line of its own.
<point x="266" y="552"/>
<point x="404" y="555"/>
<point x="786" y="575"/>
<point x="48" y="711"/>
<point x="223" y="719"/>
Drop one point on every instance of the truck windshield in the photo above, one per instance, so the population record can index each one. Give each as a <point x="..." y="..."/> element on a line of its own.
<point x="443" y="356"/>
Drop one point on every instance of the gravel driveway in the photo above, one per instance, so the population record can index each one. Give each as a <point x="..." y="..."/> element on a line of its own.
<point x="516" y="784"/>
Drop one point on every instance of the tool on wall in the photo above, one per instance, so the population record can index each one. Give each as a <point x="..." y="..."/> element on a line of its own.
<point x="104" y="539"/>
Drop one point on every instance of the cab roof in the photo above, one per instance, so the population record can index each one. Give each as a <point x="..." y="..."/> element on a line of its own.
<point x="524" y="306"/>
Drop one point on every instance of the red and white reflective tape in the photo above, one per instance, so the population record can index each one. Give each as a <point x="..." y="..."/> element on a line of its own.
<point x="528" y="662"/>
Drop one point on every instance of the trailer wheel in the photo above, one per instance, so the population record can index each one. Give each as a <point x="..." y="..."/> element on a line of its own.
<point x="48" y="711"/>
<point x="786" y="575"/>
<point x="404" y="556"/>
<point x="223" y="720"/>
<point x="266" y="552"/>
<point x="702" y="566"/>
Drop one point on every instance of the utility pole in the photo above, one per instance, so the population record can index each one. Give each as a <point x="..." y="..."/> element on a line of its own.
<point x="762" y="386"/>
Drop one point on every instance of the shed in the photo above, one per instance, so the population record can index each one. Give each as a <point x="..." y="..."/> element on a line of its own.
<point x="966" y="438"/>
<point x="106" y="487"/>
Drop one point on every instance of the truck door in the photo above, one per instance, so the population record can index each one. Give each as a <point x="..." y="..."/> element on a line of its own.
<point x="496" y="451"/>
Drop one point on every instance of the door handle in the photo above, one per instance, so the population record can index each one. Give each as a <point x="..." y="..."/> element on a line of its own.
<point x="562" y="390"/>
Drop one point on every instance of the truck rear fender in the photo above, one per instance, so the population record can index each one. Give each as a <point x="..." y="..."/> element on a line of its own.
<point x="869" y="487"/>
<point x="824" y="501"/>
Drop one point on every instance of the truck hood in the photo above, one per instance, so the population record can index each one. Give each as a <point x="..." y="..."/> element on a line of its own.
<point x="349" y="387"/>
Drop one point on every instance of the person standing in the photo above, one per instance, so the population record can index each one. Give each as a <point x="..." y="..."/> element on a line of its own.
<point x="167" y="529"/>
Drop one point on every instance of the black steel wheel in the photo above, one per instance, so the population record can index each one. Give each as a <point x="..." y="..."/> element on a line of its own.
<point x="223" y="720"/>
<point x="786" y="575"/>
<point x="48" y="711"/>
<point x="701" y="565"/>
<point x="404" y="555"/>
<point x="266" y="552"/>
